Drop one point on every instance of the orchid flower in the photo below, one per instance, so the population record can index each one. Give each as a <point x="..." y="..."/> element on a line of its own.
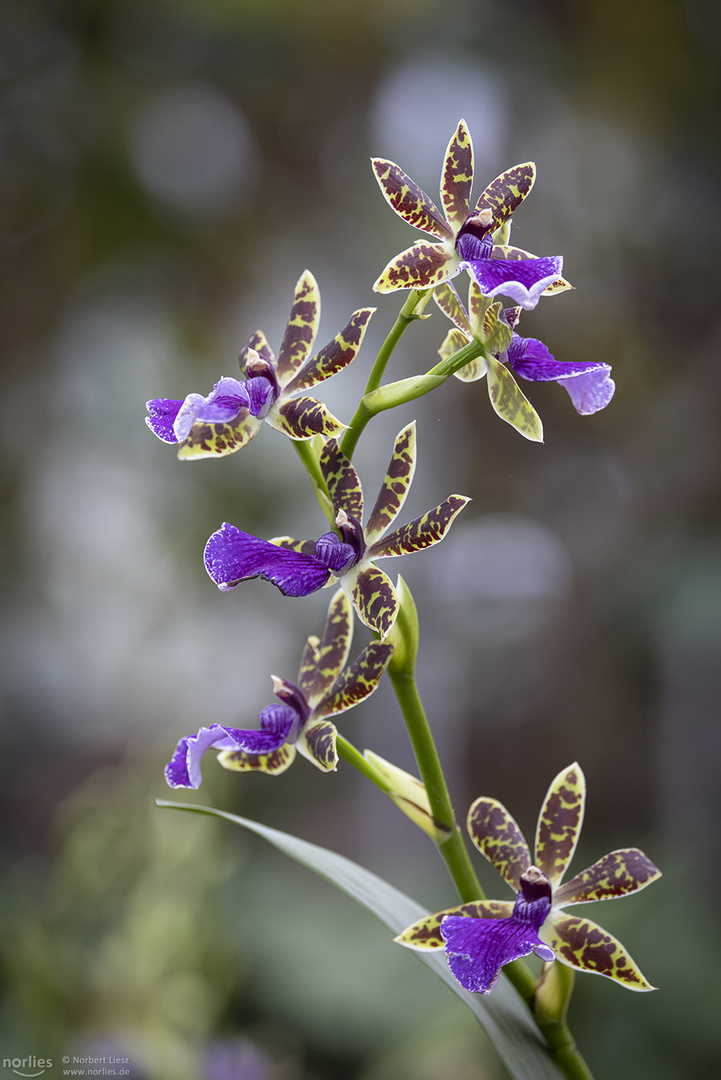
<point x="301" y="721"/>
<point x="465" y="238"/>
<point x="479" y="938"/>
<point x="588" y="382"/>
<point x="233" y="412"/>
<point x="301" y="567"/>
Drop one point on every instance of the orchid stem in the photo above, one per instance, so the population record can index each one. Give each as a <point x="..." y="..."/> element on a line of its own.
<point x="354" y="757"/>
<point x="405" y="317"/>
<point x="312" y="467"/>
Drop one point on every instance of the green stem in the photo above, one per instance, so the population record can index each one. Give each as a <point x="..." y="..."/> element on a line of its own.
<point x="354" y="757"/>
<point x="564" y="1050"/>
<point x="453" y="850"/>
<point x="406" y="316"/>
<point x="312" y="467"/>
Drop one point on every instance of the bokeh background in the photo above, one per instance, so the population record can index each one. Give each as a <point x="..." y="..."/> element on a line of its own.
<point x="168" y="170"/>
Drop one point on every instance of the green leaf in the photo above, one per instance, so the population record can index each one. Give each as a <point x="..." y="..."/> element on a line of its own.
<point x="502" y="1015"/>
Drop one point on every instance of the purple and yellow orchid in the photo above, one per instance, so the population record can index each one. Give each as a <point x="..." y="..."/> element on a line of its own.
<point x="588" y="382"/>
<point x="233" y="412"/>
<point x="466" y="239"/>
<point x="301" y="567"/>
<point x="479" y="938"/>
<point x="325" y="687"/>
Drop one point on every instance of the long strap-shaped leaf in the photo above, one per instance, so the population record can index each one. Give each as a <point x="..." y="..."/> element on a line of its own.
<point x="502" y="1016"/>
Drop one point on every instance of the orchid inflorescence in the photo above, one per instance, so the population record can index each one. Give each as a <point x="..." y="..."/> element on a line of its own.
<point x="479" y="936"/>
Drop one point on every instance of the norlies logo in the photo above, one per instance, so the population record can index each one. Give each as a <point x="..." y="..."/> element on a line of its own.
<point x="28" y="1066"/>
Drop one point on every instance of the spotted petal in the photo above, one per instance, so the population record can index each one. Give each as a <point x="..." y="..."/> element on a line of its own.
<point x="273" y="763"/>
<point x="323" y="661"/>
<point x="505" y="194"/>
<point x="219" y="440"/>
<point x="616" y="874"/>
<point x="395" y="487"/>
<point x="450" y="304"/>
<point x="336" y="355"/>
<point x="457" y="176"/>
<point x="304" y="417"/>
<point x="426" y="933"/>
<point x="582" y="944"/>
<point x="358" y="681"/>
<point x="511" y="403"/>
<point x="317" y="742"/>
<point x="470" y="372"/>
<point x="373" y="596"/>
<point x="422" y="266"/>
<point x="422" y="532"/>
<point x="498" y="838"/>
<point x="342" y="481"/>
<point x="408" y="200"/>
<point x="232" y="556"/>
<point x="559" y="823"/>
<point x="301" y="329"/>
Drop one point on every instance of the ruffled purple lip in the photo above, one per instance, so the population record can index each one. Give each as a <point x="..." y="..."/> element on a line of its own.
<point x="588" y="383"/>
<point x="477" y="949"/>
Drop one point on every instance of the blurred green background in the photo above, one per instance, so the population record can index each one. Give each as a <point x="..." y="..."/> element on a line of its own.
<point x="168" y="170"/>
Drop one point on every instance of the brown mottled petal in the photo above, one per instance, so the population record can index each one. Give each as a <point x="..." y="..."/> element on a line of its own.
<point x="394" y="489"/>
<point x="358" y="681"/>
<point x="559" y="823"/>
<point x="616" y="874"/>
<point x="422" y="532"/>
<point x="326" y="658"/>
<point x="510" y="403"/>
<point x="336" y="355"/>
<point x="219" y="440"/>
<point x="506" y="193"/>
<point x="259" y="343"/>
<point x="342" y="481"/>
<point x="426" y="933"/>
<point x="302" y="418"/>
<point x="473" y="370"/>
<point x="457" y="177"/>
<point x="450" y="304"/>
<point x="373" y="596"/>
<point x="498" y="838"/>
<point x="422" y="266"/>
<point x="273" y="764"/>
<point x="317" y="743"/>
<point x="408" y="200"/>
<point x="582" y="944"/>
<point x="301" y="329"/>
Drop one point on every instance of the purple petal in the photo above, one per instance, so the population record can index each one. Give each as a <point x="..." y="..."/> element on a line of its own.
<point x="261" y="395"/>
<point x="477" y="949"/>
<point x="531" y="359"/>
<point x="592" y="391"/>
<point x="333" y="553"/>
<point x="183" y="769"/>
<point x="523" y="280"/>
<point x="276" y="722"/>
<point x="232" y="556"/>
<point x="163" y="412"/>
<point x="222" y="404"/>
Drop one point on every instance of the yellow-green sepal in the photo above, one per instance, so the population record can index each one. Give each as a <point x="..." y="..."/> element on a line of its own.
<point x="584" y="945"/>
<point x="317" y="743"/>
<point x="405" y="634"/>
<point x="559" y="822"/>
<point x="219" y="440"/>
<point x="510" y="403"/>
